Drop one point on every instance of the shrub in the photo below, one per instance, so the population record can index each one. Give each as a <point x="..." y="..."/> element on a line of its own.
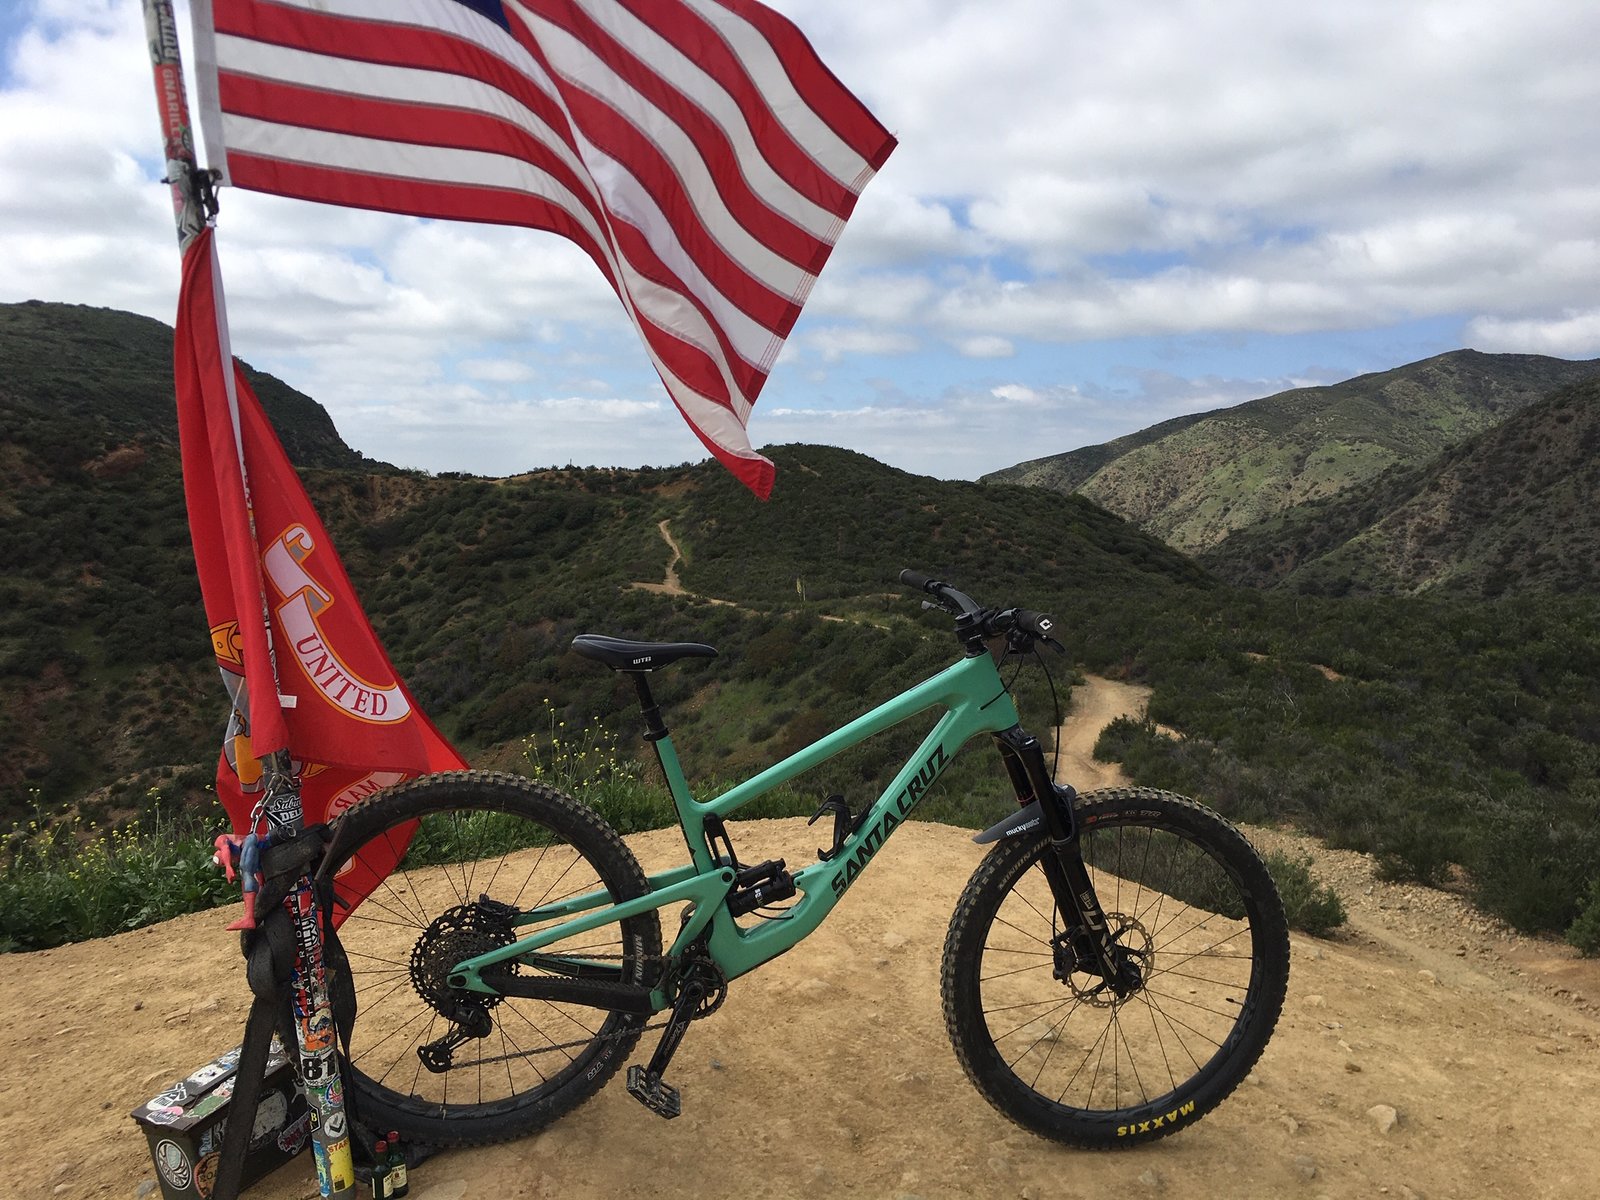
<point x="1414" y="848"/>
<point x="1312" y="907"/>
<point x="1533" y="863"/>
<point x="56" y="887"/>
<point x="1584" y="933"/>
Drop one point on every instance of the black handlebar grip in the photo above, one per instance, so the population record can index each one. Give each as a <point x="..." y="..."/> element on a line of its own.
<point x="1037" y="623"/>
<point x="917" y="580"/>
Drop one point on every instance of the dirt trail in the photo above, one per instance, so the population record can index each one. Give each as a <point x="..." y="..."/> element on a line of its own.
<point x="828" y="1072"/>
<point x="1096" y="702"/>
<point x="670" y="585"/>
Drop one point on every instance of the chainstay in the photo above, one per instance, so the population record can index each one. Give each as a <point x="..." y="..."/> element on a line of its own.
<point x="710" y="1008"/>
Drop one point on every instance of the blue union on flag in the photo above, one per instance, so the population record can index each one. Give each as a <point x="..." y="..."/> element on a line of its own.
<point x="698" y="150"/>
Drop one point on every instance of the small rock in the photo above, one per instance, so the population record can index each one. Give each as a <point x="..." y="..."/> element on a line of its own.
<point x="1353" y="1067"/>
<point x="210" y="1004"/>
<point x="1152" y="1180"/>
<point x="61" y="1189"/>
<point x="1428" y="977"/>
<point x="716" y="1064"/>
<point x="1316" y="1002"/>
<point x="1290" y="1125"/>
<point x="1383" y="1116"/>
<point x="138" y="1005"/>
<point x="62" y="1170"/>
<point x="1306" y="1165"/>
<point x="146" y="1186"/>
<point x="1028" y="1193"/>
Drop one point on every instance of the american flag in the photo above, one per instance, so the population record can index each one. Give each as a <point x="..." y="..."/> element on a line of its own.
<point x="698" y="150"/>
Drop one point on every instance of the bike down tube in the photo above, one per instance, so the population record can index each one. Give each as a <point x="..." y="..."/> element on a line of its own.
<point x="975" y="701"/>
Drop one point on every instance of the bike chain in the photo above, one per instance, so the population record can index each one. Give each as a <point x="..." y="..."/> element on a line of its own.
<point x="709" y="1006"/>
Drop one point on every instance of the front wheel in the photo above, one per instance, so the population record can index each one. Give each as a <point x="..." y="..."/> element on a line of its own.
<point x="1196" y="923"/>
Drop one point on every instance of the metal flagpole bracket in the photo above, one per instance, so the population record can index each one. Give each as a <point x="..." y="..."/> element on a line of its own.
<point x="199" y="186"/>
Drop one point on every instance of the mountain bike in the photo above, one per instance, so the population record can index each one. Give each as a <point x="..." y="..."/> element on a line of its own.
<point x="1113" y="969"/>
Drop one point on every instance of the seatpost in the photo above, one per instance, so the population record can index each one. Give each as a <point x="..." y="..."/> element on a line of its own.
<point x="655" y="727"/>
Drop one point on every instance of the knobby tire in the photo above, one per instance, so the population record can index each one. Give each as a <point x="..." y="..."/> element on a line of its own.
<point x="1187" y="898"/>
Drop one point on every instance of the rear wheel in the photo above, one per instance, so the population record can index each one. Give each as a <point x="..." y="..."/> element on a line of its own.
<point x="450" y="1067"/>
<point x="1196" y="923"/>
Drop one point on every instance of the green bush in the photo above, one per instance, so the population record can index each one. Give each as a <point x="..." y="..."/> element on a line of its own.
<point x="1533" y="862"/>
<point x="1414" y="847"/>
<point x="1312" y="907"/>
<point x="59" y="886"/>
<point x="1584" y="933"/>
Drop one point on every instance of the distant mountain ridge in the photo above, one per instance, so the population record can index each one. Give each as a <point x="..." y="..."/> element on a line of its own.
<point x="101" y="377"/>
<point x="1511" y="508"/>
<point x="1196" y="480"/>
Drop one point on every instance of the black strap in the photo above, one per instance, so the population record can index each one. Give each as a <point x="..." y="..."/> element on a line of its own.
<point x="269" y="951"/>
<point x="266" y="1015"/>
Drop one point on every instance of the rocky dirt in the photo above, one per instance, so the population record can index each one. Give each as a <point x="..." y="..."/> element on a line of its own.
<point x="1423" y="1052"/>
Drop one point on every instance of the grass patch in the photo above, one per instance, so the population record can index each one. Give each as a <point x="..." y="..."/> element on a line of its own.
<point x="60" y="885"/>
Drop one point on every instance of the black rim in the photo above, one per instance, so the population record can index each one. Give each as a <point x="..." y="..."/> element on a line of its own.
<point x="1183" y="925"/>
<point x="428" y="906"/>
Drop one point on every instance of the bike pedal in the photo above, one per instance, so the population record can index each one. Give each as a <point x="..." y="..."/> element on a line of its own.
<point x="659" y="1096"/>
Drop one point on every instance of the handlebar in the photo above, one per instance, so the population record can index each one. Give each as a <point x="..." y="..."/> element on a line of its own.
<point x="976" y="623"/>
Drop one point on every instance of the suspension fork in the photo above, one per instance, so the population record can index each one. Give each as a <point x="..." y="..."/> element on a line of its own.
<point x="1063" y="862"/>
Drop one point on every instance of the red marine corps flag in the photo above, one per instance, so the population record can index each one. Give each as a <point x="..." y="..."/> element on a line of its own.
<point x="698" y="151"/>
<point x="302" y="665"/>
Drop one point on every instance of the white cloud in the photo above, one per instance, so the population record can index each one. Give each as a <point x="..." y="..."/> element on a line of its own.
<point x="497" y="370"/>
<point x="1067" y="175"/>
<point x="833" y="343"/>
<point x="986" y="345"/>
<point x="1571" y="335"/>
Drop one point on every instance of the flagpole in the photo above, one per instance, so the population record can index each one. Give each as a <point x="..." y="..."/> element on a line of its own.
<point x="193" y="204"/>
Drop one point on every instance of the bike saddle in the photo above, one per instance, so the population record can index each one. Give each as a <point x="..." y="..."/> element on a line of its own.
<point x="623" y="654"/>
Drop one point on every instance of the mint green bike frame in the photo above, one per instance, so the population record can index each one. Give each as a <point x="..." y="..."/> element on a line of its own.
<point x="975" y="701"/>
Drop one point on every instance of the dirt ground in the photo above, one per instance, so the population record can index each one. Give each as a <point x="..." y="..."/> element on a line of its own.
<point x="828" y="1071"/>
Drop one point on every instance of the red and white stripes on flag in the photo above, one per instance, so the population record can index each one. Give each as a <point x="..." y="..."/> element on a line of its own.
<point x="698" y="150"/>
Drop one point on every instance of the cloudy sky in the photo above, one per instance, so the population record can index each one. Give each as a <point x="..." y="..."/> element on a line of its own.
<point x="1100" y="215"/>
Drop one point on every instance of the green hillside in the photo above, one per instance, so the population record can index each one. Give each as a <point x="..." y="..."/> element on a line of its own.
<point x="1511" y="509"/>
<point x="99" y="610"/>
<point x="1196" y="480"/>
<point x="1440" y="733"/>
<point x="475" y="585"/>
